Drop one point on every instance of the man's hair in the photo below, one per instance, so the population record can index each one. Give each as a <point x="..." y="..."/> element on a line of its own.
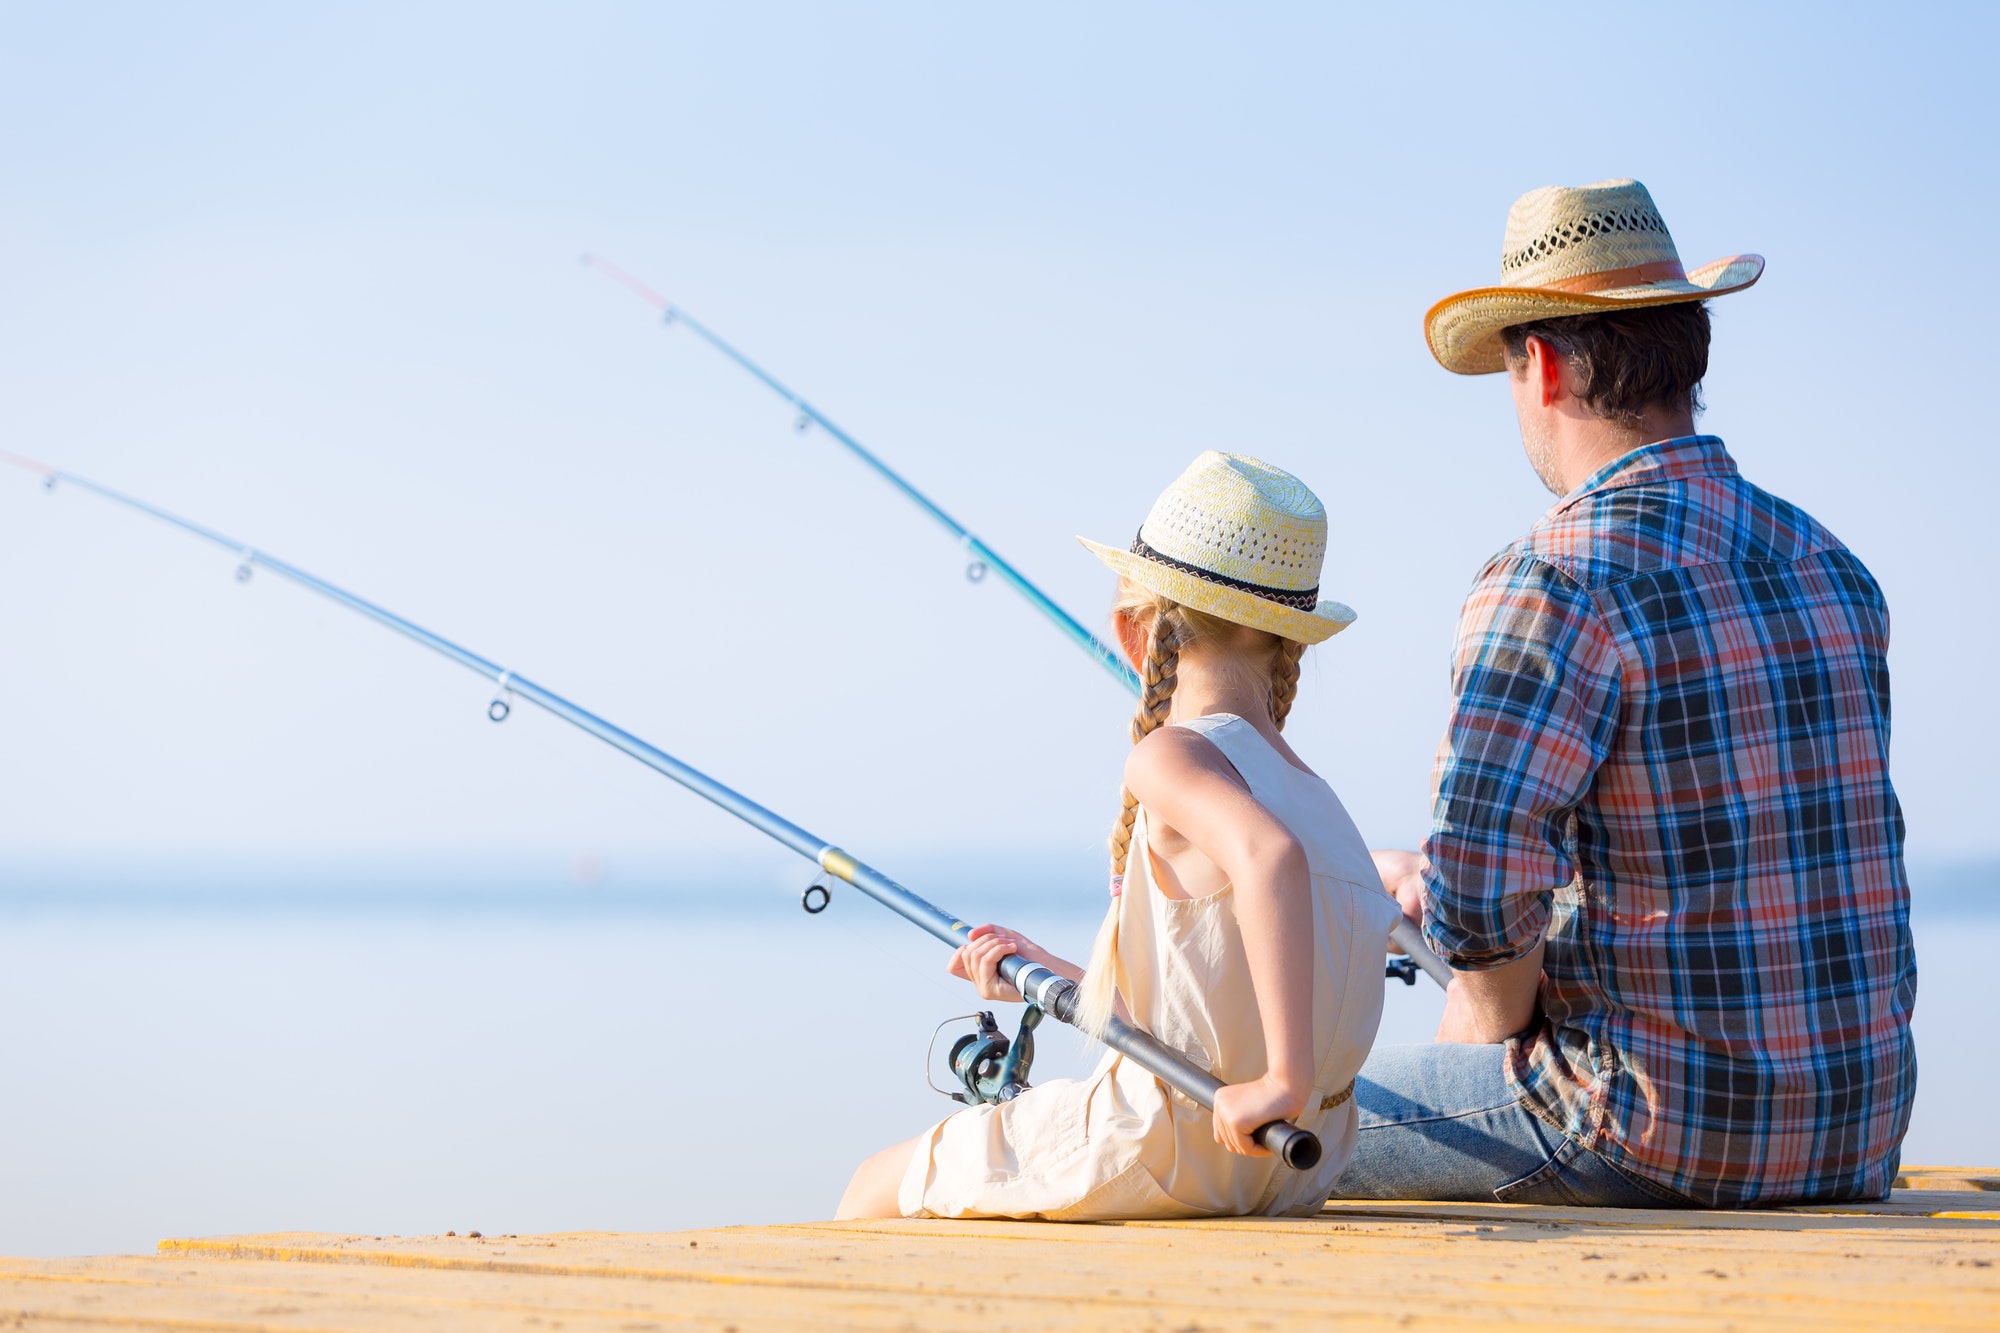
<point x="1628" y="360"/>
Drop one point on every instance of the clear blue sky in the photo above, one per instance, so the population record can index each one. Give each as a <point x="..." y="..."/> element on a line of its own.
<point x="310" y="274"/>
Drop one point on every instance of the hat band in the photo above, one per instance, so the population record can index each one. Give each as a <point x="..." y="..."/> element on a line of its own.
<point x="1298" y="601"/>
<point x="1659" y="270"/>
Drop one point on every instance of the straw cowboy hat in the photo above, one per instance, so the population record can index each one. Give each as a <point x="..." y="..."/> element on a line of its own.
<point x="1240" y="540"/>
<point x="1575" y="251"/>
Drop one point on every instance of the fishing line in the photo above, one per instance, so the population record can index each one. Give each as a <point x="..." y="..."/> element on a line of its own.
<point x="997" y="1074"/>
<point x="1406" y="936"/>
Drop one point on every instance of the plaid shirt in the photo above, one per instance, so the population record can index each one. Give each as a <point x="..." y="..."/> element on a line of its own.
<point x="1669" y="750"/>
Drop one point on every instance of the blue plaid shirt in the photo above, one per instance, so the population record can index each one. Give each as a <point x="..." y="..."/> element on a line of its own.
<point x="1669" y="752"/>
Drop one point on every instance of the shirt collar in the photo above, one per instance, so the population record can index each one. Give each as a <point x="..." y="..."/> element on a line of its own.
<point x="1680" y="459"/>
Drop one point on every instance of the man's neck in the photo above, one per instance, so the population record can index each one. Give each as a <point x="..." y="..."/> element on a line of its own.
<point x="1585" y="446"/>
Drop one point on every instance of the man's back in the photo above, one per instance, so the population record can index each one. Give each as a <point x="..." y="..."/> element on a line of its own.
<point x="1672" y="697"/>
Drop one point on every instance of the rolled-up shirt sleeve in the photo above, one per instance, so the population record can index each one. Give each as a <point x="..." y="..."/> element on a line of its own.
<point x="1535" y="697"/>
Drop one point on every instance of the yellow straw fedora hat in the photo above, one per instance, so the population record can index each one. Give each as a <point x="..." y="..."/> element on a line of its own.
<point x="1575" y="251"/>
<point x="1240" y="540"/>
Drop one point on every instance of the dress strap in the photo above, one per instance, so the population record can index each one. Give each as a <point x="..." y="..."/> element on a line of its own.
<point x="1248" y="752"/>
<point x="1201" y="726"/>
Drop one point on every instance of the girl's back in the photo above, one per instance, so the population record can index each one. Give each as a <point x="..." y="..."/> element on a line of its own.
<point x="1182" y="971"/>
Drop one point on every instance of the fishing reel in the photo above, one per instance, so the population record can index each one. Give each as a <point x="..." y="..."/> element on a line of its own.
<point x="989" y="1068"/>
<point x="1403" y="968"/>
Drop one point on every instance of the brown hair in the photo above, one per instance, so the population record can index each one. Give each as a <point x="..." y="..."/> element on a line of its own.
<point x="1627" y="360"/>
<point x="1170" y="627"/>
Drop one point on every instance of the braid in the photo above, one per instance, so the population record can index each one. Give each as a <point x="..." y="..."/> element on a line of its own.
<point x="1285" y="679"/>
<point x="1159" y="672"/>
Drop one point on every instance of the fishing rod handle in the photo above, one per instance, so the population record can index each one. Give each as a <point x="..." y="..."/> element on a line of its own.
<point x="1041" y="986"/>
<point x="1410" y="940"/>
<point x="1057" y="996"/>
<point x="1297" y="1148"/>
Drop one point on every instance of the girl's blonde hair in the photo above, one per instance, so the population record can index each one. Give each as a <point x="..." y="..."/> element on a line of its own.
<point x="1170" y="627"/>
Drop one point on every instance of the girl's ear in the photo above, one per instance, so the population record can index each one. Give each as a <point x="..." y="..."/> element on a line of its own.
<point x="1131" y="638"/>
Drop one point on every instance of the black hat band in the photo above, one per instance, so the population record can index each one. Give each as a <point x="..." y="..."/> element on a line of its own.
<point x="1298" y="601"/>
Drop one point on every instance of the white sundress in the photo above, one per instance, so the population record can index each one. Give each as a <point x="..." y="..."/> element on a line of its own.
<point x="1120" y="1144"/>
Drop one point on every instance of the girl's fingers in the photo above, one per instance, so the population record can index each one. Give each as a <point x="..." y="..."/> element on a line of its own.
<point x="989" y="931"/>
<point x="1235" y="1122"/>
<point x="978" y="960"/>
<point x="993" y="948"/>
<point x="989" y="959"/>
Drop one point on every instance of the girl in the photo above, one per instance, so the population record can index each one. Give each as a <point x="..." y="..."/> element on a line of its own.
<point x="1247" y="922"/>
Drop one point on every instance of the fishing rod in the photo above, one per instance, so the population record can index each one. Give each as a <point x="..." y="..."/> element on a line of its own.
<point x="1416" y="955"/>
<point x="984" y="557"/>
<point x="991" y="1068"/>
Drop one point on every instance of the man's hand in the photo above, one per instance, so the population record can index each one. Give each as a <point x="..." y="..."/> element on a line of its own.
<point x="1480" y="1008"/>
<point x="1403" y="879"/>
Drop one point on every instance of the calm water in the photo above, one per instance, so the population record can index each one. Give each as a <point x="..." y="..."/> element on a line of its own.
<point x="186" y="1068"/>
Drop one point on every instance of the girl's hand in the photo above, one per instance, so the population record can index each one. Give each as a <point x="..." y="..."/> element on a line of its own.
<point x="979" y="961"/>
<point x="1241" y="1109"/>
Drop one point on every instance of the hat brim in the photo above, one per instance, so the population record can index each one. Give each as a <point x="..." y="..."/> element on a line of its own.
<point x="1463" y="330"/>
<point x="1231" y="604"/>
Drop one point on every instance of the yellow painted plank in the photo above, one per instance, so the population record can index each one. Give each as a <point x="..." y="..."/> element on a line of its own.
<point x="1948" y="1178"/>
<point x="1901" y="1204"/>
<point x="1356" y="1265"/>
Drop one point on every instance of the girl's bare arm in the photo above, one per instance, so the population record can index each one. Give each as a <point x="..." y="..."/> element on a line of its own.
<point x="1185" y="782"/>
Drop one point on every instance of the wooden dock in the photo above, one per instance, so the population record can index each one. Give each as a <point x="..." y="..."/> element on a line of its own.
<point x="1928" y="1258"/>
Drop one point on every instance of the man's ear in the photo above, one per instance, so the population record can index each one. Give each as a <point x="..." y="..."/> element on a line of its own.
<point x="1544" y="370"/>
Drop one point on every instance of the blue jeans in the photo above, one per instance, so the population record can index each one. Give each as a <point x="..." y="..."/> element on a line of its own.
<point x="1439" y="1122"/>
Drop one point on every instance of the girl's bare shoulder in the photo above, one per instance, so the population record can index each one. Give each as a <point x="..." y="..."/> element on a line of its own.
<point x="1173" y="757"/>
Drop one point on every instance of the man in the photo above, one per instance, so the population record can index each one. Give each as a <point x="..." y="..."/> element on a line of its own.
<point x="1666" y="863"/>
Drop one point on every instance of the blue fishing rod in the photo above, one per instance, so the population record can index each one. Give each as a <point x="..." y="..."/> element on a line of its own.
<point x="984" y="557"/>
<point x="1406" y="937"/>
<point x="990" y="1067"/>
